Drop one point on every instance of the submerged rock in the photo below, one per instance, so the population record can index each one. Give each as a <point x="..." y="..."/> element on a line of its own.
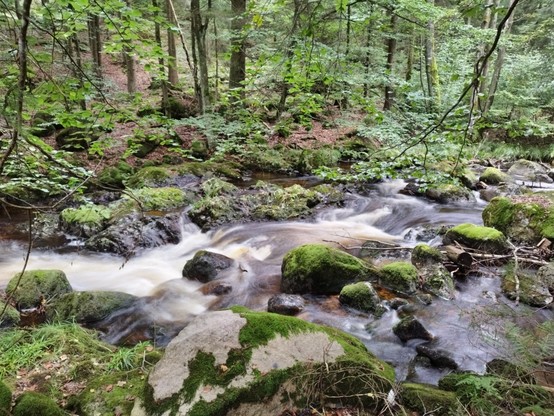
<point x="206" y="265"/>
<point x="361" y="296"/>
<point x="410" y="328"/>
<point x="34" y="287"/>
<point x="284" y="304"/>
<point x="474" y="236"/>
<point x="320" y="269"/>
<point x="242" y="362"/>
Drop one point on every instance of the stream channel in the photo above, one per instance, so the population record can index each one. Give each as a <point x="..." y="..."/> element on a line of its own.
<point x="169" y="301"/>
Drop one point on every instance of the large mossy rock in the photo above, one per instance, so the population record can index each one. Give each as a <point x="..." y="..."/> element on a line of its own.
<point x="527" y="288"/>
<point x="36" y="404"/>
<point x="320" y="269"/>
<point x="435" y="278"/>
<point x="450" y="194"/>
<point x="88" y="307"/>
<point x="361" y="296"/>
<point x="86" y="220"/>
<point x="494" y="176"/>
<point x="524" y="219"/>
<point x="206" y="265"/>
<point x="399" y="275"/>
<point x="5" y="399"/>
<point x="529" y="171"/>
<point x="424" y="254"/>
<point x="478" y="237"/>
<point x="426" y="398"/>
<point x="9" y="316"/>
<point x="252" y="363"/>
<point x="35" y="286"/>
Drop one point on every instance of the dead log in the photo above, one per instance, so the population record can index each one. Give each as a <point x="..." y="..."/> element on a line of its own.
<point x="459" y="256"/>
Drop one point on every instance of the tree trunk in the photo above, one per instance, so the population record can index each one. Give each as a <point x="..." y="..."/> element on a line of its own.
<point x="498" y="65"/>
<point x="172" y="72"/>
<point x="391" y="50"/>
<point x="95" y="42"/>
<point x="367" y="58"/>
<point x="431" y="68"/>
<point x="237" y="65"/>
<point x="199" y="28"/>
<point x="161" y="62"/>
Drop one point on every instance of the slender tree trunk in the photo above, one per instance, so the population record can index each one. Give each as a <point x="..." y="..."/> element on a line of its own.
<point x="78" y="72"/>
<point x="95" y="42"/>
<point x="367" y="58"/>
<point x="237" y="65"/>
<point x="391" y="51"/>
<point x="409" y="59"/>
<point x="498" y="65"/>
<point x="199" y="29"/>
<point x="172" y="71"/>
<point x="216" y="56"/>
<point x="431" y="68"/>
<point x="348" y="29"/>
<point x="161" y="61"/>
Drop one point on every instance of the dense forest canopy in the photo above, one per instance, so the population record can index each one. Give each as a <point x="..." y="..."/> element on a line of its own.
<point x="425" y="78"/>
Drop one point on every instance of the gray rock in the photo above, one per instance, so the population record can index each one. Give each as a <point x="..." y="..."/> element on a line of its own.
<point x="438" y="357"/>
<point x="206" y="265"/>
<point x="528" y="171"/>
<point x="410" y="328"/>
<point x="284" y="304"/>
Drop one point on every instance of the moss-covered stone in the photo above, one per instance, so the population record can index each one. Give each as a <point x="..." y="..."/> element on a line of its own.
<point x="361" y="296"/>
<point x="527" y="288"/>
<point x="449" y="193"/>
<point x="260" y="358"/>
<point x="115" y="176"/>
<point x="425" y="398"/>
<point x="477" y="237"/>
<point x="450" y="381"/>
<point x="437" y="280"/>
<point x="9" y="316"/>
<point x="320" y="269"/>
<point x="399" y="275"/>
<point x="158" y="199"/>
<point x="424" y="254"/>
<point x="150" y="176"/>
<point x="5" y="399"/>
<point x="199" y="149"/>
<point x="86" y="220"/>
<point x="524" y="219"/>
<point x="33" y="287"/>
<point x="494" y="176"/>
<point x="88" y="307"/>
<point x="36" y="404"/>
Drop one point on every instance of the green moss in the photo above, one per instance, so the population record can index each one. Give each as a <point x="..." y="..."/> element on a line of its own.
<point x="399" y="275"/>
<point x="320" y="269"/>
<point x="158" y="199"/>
<point x="90" y="215"/>
<point x="478" y="237"/>
<point x="445" y="193"/>
<point x="115" y="176"/>
<point x="361" y="296"/>
<point x="425" y="254"/>
<point x="8" y="317"/>
<point x="199" y="149"/>
<point x="424" y="398"/>
<point x="494" y="176"/>
<point x="5" y="399"/>
<point x="36" y="404"/>
<point x="531" y="290"/>
<point x="35" y="286"/>
<point x="228" y="169"/>
<point x="150" y="176"/>
<point x="450" y="381"/>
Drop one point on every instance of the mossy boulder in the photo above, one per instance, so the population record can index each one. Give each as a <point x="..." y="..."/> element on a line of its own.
<point x="529" y="171"/>
<point x="5" y="399"/>
<point x="424" y="254"/>
<point x="88" y="307"/>
<point x="478" y="237"/>
<point x="400" y="275"/>
<point x="524" y="219"/>
<point x="494" y="176"/>
<point x="244" y="362"/>
<point x="9" y="316"/>
<point x="157" y="199"/>
<point x="115" y="176"/>
<point x="425" y="398"/>
<point x="36" y="404"/>
<point x="86" y="220"/>
<point x="437" y="280"/>
<point x="361" y="296"/>
<point x="206" y="265"/>
<point x="33" y="287"/>
<point x="151" y="176"/>
<point x="450" y="193"/>
<point x="320" y="269"/>
<point x="199" y="149"/>
<point x="527" y="287"/>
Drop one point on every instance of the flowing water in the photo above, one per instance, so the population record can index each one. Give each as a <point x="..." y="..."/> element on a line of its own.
<point x="382" y="214"/>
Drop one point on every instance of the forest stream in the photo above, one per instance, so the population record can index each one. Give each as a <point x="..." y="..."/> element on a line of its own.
<point x="382" y="214"/>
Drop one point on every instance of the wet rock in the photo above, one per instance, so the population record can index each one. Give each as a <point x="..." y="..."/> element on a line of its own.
<point x="424" y="255"/>
<point x="86" y="220"/>
<point x="320" y="269"/>
<point x="396" y="303"/>
<point x="545" y="275"/>
<point x="376" y="251"/>
<point x="266" y="357"/>
<point x="426" y="232"/>
<point x="474" y="236"/>
<point x="134" y="232"/>
<point x="88" y="307"/>
<point x="528" y="171"/>
<point x="33" y="287"/>
<point x="450" y="194"/>
<point x="532" y="291"/>
<point x="437" y="280"/>
<point x="410" y="328"/>
<point x="206" y="265"/>
<point x="284" y="304"/>
<point x="407" y="309"/>
<point x="438" y="357"/>
<point x="524" y="219"/>
<point x="400" y="275"/>
<point x="361" y="296"/>
<point x="216" y="288"/>
<point x="494" y="176"/>
<point x="424" y="397"/>
<point x="9" y="317"/>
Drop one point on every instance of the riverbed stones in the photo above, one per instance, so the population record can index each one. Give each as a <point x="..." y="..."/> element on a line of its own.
<point x="361" y="296"/>
<point x="284" y="304"/>
<point x="450" y="194"/>
<point x="399" y="275"/>
<point x="321" y="270"/>
<point x="33" y="287"/>
<point x="237" y="359"/>
<point x="411" y="328"/>
<point x="524" y="219"/>
<point x="478" y="237"/>
<point x="206" y="265"/>
<point x="88" y="307"/>
<point x="424" y="254"/>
